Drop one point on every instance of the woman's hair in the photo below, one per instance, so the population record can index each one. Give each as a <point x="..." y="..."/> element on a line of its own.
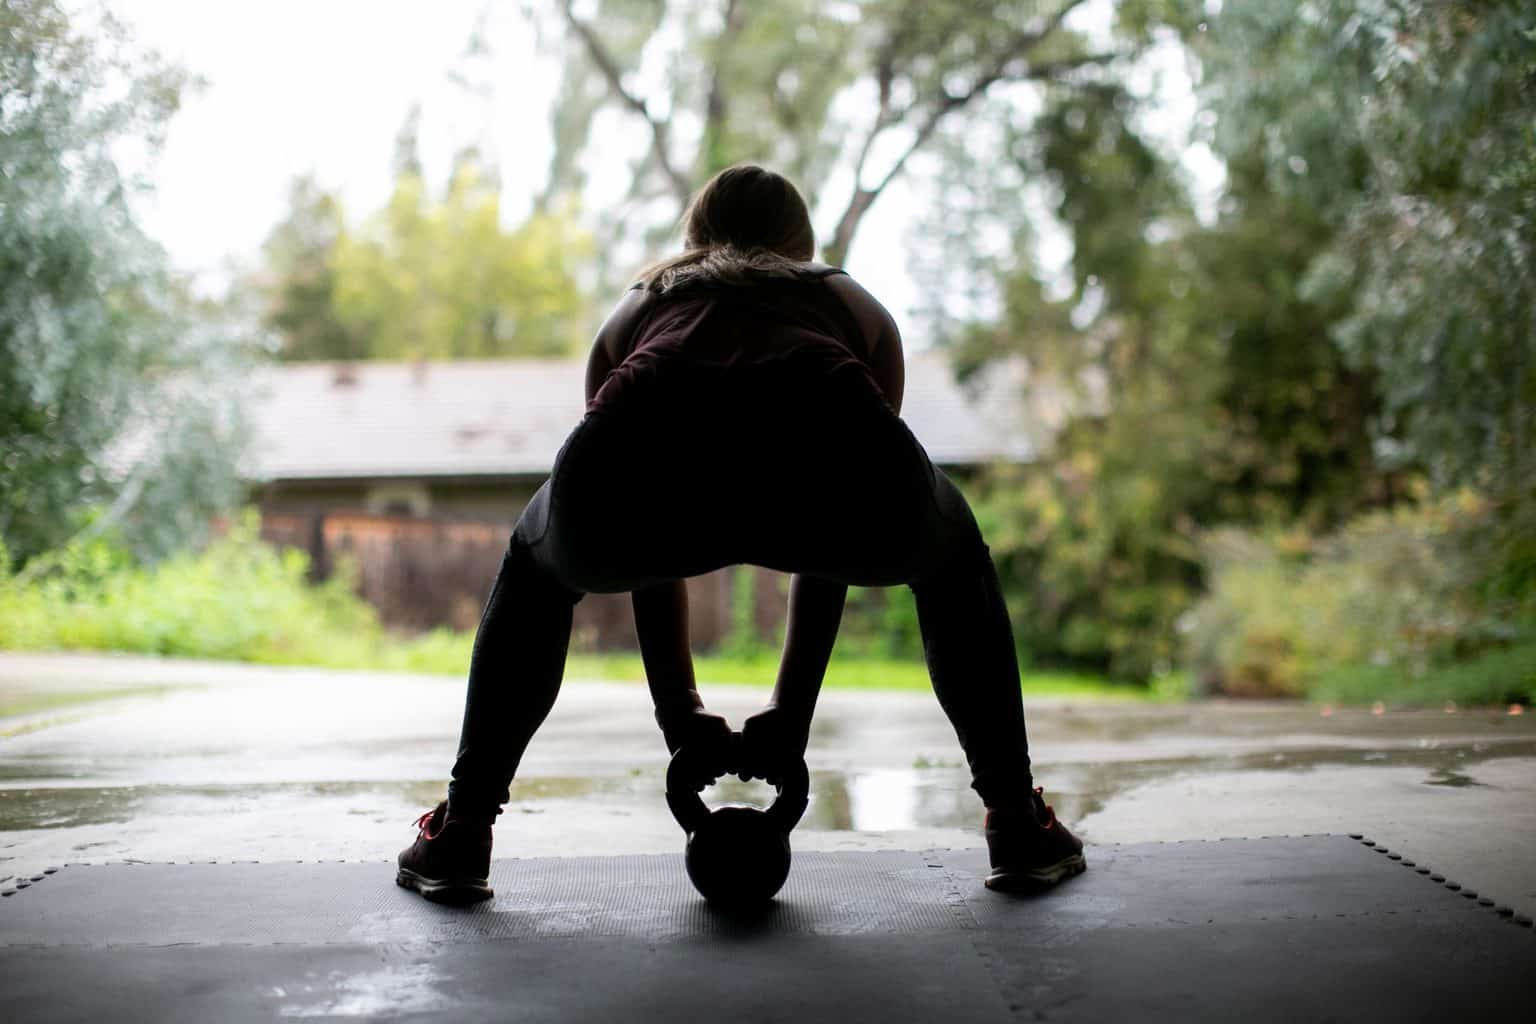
<point x="745" y="223"/>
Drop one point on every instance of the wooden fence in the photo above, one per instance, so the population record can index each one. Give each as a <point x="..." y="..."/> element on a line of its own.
<point x="421" y="573"/>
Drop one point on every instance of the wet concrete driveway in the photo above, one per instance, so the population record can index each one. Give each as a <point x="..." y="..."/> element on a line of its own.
<point x="188" y="761"/>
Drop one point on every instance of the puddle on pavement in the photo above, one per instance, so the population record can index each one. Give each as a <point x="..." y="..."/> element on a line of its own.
<point x="106" y="792"/>
<point x="928" y="795"/>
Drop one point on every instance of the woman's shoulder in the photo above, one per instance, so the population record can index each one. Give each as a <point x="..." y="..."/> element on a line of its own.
<point x="845" y="287"/>
<point x="876" y="324"/>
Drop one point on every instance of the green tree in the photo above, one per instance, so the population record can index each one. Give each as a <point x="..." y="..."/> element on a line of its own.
<point x="1206" y="389"/>
<point x="839" y="97"/>
<point x="1093" y="540"/>
<point x="428" y="278"/>
<point x="298" y="282"/>
<point x="1408" y="126"/>
<point x="119" y="396"/>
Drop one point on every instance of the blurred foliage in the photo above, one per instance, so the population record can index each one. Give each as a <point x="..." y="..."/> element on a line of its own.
<point x="877" y="622"/>
<point x="1358" y="313"/>
<point x="1203" y="387"/>
<point x="846" y="672"/>
<point x="424" y="278"/>
<point x="298" y="287"/>
<point x="445" y="280"/>
<point x="1402" y="594"/>
<point x="237" y="598"/>
<point x="1408" y="126"/>
<point x="1501" y="676"/>
<point x="743" y="639"/>
<point x="1263" y="412"/>
<point x="120" y="394"/>
<point x="880" y="623"/>
<point x="837" y="97"/>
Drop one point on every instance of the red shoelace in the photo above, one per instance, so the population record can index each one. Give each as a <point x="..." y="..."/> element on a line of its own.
<point x="1050" y="812"/>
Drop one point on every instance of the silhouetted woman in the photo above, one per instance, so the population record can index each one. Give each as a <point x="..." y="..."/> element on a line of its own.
<point x="742" y="409"/>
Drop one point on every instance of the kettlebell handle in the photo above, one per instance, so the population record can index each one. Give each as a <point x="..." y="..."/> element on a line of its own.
<point x="688" y="807"/>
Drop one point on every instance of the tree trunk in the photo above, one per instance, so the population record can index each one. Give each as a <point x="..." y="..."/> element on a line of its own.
<point x="835" y="251"/>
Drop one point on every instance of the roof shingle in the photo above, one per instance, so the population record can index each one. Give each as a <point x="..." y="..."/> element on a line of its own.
<point x="509" y="417"/>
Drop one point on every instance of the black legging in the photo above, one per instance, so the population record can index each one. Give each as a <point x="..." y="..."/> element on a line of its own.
<point x="708" y="468"/>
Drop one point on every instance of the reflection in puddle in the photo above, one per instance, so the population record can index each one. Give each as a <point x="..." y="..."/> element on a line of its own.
<point x="869" y="802"/>
<point x="57" y="807"/>
<point x="929" y="795"/>
<point x="876" y="801"/>
<point x="882" y="801"/>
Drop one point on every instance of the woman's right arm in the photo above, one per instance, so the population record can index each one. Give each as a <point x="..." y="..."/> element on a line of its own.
<point x="882" y="340"/>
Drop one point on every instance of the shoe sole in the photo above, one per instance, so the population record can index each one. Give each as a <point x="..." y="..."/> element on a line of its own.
<point x="1014" y="880"/>
<point x="455" y="892"/>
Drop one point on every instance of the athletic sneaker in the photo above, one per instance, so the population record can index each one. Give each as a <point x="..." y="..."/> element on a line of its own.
<point x="450" y="861"/>
<point x="1029" y="849"/>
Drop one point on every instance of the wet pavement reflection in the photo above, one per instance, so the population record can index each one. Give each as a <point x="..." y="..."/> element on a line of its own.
<point x="887" y="799"/>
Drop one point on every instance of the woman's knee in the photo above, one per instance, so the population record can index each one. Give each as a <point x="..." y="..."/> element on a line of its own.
<point x="526" y="563"/>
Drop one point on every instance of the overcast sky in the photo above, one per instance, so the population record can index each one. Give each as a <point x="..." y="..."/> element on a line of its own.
<point x="295" y="86"/>
<point x="323" y="85"/>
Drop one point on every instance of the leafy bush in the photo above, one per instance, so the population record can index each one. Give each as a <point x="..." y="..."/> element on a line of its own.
<point x="880" y="622"/>
<point x="1505" y="676"/>
<point x="1093" y="557"/>
<point x="877" y="623"/>
<point x="1422" y="595"/>
<point x="240" y="599"/>
<point x="237" y="598"/>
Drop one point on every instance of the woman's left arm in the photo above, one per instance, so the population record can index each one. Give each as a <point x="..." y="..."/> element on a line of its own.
<point x="614" y="339"/>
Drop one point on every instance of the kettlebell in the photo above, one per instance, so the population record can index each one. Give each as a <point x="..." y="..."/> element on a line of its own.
<point x="737" y="855"/>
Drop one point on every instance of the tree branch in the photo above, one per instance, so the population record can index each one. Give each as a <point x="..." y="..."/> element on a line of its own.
<point x="885" y="77"/>
<point x="1012" y="52"/>
<point x="660" y="136"/>
<point x="715" y="107"/>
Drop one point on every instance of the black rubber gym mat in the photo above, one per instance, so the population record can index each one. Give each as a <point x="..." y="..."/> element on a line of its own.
<point x="1319" y="927"/>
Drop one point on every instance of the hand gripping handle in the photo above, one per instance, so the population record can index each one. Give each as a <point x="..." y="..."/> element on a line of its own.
<point x="688" y="807"/>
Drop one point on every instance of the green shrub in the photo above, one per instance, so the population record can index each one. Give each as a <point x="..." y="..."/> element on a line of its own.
<point x="744" y="639"/>
<point x="440" y="652"/>
<point x="1397" y="595"/>
<point x="880" y="622"/>
<point x="1506" y="676"/>
<point x="240" y="599"/>
<point x="236" y="598"/>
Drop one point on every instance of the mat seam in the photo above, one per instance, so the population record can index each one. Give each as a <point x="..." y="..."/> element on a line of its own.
<point x="960" y="906"/>
<point x="1503" y="911"/>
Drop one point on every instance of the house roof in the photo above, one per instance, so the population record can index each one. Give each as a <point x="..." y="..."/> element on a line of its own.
<point x="508" y="417"/>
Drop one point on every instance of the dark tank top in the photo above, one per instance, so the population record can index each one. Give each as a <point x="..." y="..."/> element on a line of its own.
<point x="774" y="334"/>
